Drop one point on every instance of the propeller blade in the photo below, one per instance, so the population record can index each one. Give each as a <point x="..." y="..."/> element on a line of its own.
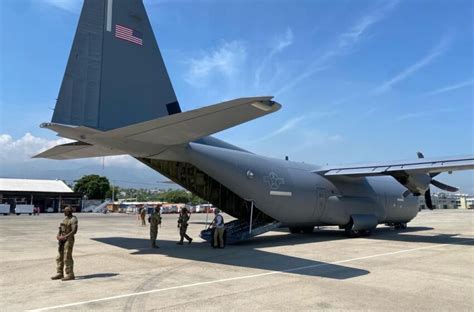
<point x="428" y="201"/>
<point x="443" y="186"/>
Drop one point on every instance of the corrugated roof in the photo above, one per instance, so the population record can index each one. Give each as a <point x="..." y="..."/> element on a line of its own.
<point x="30" y="185"/>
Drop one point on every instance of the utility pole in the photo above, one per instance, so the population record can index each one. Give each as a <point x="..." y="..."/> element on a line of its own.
<point x="113" y="192"/>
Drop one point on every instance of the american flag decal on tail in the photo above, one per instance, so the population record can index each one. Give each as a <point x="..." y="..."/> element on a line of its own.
<point x="129" y="34"/>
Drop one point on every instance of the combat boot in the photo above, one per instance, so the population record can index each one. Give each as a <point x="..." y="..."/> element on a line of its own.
<point x="68" y="278"/>
<point x="57" y="276"/>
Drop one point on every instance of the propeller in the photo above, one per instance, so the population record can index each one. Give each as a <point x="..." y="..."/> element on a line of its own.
<point x="418" y="183"/>
<point x="443" y="186"/>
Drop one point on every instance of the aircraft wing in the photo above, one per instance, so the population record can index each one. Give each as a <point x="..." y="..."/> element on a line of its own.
<point x="76" y="150"/>
<point x="421" y="165"/>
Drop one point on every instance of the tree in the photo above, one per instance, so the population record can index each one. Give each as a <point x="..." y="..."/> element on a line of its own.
<point x="93" y="186"/>
<point x="177" y="196"/>
<point x="195" y="200"/>
<point x="116" y="192"/>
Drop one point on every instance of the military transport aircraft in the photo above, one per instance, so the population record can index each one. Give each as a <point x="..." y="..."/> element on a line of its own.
<point x="116" y="98"/>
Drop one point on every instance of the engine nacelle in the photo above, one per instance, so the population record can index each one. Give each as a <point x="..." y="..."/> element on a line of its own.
<point x="418" y="183"/>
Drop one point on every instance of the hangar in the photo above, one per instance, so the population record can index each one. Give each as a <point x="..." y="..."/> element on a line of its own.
<point x="48" y="195"/>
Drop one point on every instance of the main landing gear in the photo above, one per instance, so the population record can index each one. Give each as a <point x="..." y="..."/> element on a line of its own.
<point x="304" y="230"/>
<point x="353" y="233"/>
<point x="400" y="226"/>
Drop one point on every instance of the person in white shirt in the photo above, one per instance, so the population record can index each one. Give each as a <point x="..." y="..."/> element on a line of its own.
<point x="219" y="227"/>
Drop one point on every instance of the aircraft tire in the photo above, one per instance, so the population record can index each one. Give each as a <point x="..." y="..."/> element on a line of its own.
<point x="295" y="230"/>
<point x="400" y="226"/>
<point x="307" y="229"/>
<point x="350" y="232"/>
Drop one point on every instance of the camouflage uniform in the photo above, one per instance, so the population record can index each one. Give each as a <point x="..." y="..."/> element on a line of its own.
<point x="64" y="257"/>
<point x="183" y="227"/>
<point x="155" y="220"/>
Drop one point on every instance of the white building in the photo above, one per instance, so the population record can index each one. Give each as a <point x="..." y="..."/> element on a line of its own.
<point x="448" y="201"/>
<point x="48" y="195"/>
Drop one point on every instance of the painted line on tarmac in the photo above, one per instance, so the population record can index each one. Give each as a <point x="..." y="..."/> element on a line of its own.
<point x="244" y="277"/>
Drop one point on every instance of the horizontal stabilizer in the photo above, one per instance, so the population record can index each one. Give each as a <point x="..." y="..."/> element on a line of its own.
<point x="192" y="125"/>
<point x="76" y="150"/>
<point x="153" y="137"/>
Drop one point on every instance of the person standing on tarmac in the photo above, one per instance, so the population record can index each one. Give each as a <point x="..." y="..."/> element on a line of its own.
<point x="183" y="226"/>
<point x="143" y="215"/>
<point x="65" y="237"/>
<point x="155" y="220"/>
<point x="219" y="227"/>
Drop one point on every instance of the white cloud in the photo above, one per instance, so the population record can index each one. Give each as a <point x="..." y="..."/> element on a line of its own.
<point x="425" y="114"/>
<point x="287" y="126"/>
<point x="317" y="137"/>
<point x="281" y="42"/>
<point x="343" y="44"/>
<point x="284" y="41"/>
<point x="452" y="87"/>
<point x="314" y="138"/>
<point x="15" y="151"/>
<point x="295" y="122"/>
<point x="73" y="6"/>
<point x="120" y="161"/>
<point x="357" y="31"/>
<point x="21" y="150"/>
<point x="439" y="49"/>
<point x="224" y="61"/>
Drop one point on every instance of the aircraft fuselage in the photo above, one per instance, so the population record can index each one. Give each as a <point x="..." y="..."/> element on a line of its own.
<point x="291" y="193"/>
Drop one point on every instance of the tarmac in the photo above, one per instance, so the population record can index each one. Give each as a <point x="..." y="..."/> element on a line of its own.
<point x="427" y="267"/>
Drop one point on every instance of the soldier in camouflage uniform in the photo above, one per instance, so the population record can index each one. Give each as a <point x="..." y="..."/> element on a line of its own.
<point x="183" y="226"/>
<point x="155" y="220"/>
<point x="65" y="237"/>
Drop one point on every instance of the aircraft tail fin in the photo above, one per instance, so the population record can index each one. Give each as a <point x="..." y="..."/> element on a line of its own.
<point x="115" y="75"/>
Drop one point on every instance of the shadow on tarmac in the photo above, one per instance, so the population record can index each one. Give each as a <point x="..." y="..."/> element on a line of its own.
<point x="382" y="233"/>
<point x="237" y="255"/>
<point x="406" y="235"/>
<point x="248" y="253"/>
<point x="98" y="275"/>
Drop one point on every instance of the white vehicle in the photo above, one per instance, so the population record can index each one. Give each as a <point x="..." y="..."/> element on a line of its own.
<point x="88" y="208"/>
<point x="191" y="208"/>
<point x="5" y="209"/>
<point x="203" y="208"/>
<point x="131" y="209"/>
<point x="24" y="209"/>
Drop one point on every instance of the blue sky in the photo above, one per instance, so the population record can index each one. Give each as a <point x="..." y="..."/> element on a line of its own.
<point x="358" y="80"/>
